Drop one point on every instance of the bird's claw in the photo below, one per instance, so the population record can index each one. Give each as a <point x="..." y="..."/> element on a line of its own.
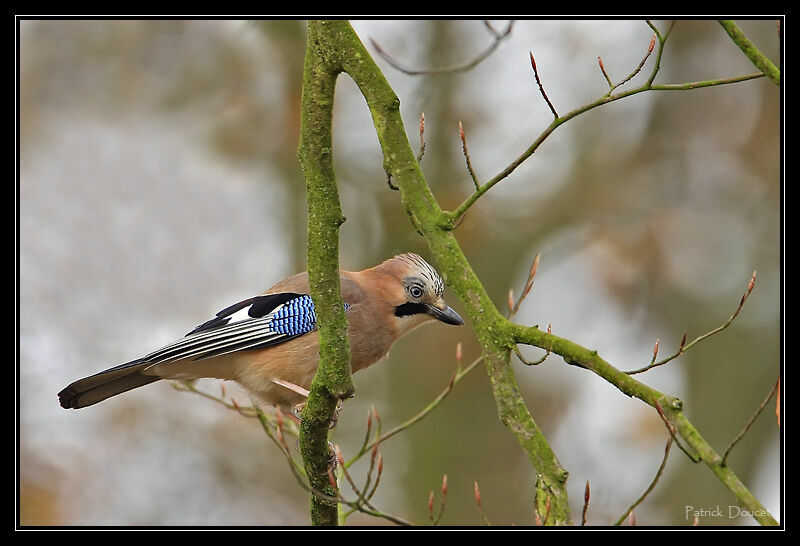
<point x="298" y="410"/>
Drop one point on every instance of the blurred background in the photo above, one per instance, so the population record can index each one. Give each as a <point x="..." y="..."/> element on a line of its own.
<point x="159" y="183"/>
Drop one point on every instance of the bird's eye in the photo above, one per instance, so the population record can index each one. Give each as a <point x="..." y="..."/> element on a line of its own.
<point x="415" y="291"/>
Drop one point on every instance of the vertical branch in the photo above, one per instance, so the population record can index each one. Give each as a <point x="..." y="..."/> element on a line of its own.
<point x="332" y="380"/>
<point x="493" y="332"/>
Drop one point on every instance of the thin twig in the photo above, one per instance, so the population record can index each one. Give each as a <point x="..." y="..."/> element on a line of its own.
<point x="362" y="499"/>
<point x="368" y="431"/>
<point x="749" y="424"/>
<point x="513" y="308"/>
<point x="633" y="74"/>
<point x="436" y="519"/>
<point x="684" y="347"/>
<point x="603" y="70"/>
<point x="469" y="65"/>
<point x="480" y="505"/>
<point x="541" y="88"/>
<point x="466" y="156"/>
<point x="650" y="487"/>
<point x="421" y="137"/>
<point x="673" y="435"/>
<point x="454" y="215"/>
<point x="185" y="386"/>
<point x="422" y="414"/>
<point x="278" y="438"/>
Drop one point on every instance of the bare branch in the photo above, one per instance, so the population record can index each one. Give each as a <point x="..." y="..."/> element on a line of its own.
<point x="465" y="67"/>
<point x="683" y="347"/>
<point x="605" y="99"/>
<point x="456" y="377"/>
<point x="421" y="137"/>
<point x="466" y="156"/>
<point x="633" y="74"/>
<point x="749" y="423"/>
<point x="637" y="502"/>
<point x="673" y="435"/>
<point x="541" y="88"/>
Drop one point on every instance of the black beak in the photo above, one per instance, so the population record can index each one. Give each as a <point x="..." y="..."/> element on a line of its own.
<point x="446" y="315"/>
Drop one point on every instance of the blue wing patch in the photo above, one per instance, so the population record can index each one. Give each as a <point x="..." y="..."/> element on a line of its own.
<point x="296" y="317"/>
<point x="257" y="323"/>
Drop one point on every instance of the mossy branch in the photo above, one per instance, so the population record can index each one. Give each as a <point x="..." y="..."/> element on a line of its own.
<point x="332" y="380"/>
<point x="670" y="406"/>
<point x="338" y="38"/>
<point x="336" y="42"/>
<point x="758" y="59"/>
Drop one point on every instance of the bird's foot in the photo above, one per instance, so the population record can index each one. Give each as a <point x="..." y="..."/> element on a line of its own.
<point x="335" y="418"/>
<point x="333" y="462"/>
<point x="298" y="410"/>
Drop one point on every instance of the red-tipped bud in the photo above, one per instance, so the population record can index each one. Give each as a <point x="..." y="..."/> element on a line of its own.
<point x="631" y="519"/>
<point x="279" y="417"/>
<point x="477" y="494"/>
<point x="696" y="522"/>
<point x="534" y="267"/>
<point x="750" y="286"/>
<point x="652" y="44"/>
<point x="222" y="388"/>
<point x="533" y="61"/>
<point x="380" y="463"/>
<point x="459" y="352"/>
<point x="235" y="405"/>
<point x="549" y="328"/>
<point x="375" y="412"/>
<point x="369" y="420"/>
<point x="537" y="519"/>
<point x="510" y="301"/>
<point x="422" y="123"/>
<point x="683" y="343"/>
<point x="430" y="505"/>
<point x="655" y="349"/>
<point x="444" y="486"/>
<point x="461" y="134"/>
<point x="600" y="62"/>
<point x="586" y="493"/>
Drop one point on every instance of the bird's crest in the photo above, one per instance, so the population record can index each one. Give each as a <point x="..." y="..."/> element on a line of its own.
<point x="424" y="269"/>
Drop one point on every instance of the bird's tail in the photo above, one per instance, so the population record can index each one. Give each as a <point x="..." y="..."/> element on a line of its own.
<point x="111" y="382"/>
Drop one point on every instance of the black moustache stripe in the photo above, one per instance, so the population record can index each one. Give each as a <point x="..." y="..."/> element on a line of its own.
<point x="409" y="308"/>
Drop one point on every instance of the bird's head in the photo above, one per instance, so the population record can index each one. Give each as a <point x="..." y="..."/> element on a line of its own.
<point x="416" y="292"/>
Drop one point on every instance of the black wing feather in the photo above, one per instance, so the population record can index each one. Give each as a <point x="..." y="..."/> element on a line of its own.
<point x="260" y="306"/>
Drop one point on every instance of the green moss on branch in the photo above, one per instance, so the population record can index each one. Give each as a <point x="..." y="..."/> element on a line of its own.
<point x="427" y="217"/>
<point x="332" y="380"/>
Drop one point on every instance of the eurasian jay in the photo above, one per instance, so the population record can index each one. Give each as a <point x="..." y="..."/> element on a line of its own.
<point x="269" y="343"/>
